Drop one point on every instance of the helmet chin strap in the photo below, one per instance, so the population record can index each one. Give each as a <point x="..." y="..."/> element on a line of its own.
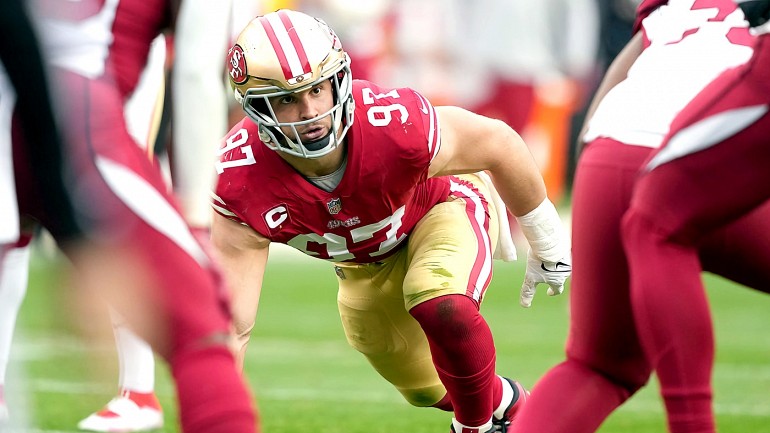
<point x="311" y="146"/>
<point x="318" y="144"/>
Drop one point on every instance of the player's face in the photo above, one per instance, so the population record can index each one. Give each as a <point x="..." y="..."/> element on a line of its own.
<point x="306" y="105"/>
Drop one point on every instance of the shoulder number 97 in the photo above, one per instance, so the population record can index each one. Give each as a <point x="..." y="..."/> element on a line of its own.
<point x="234" y="141"/>
<point x="382" y="115"/>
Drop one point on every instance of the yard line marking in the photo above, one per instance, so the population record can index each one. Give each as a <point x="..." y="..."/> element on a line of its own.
<point x="37" y="430"/>
<point x="385" y="396"/>
<point x="53" y="386"/>
<point x="18" y="390"/>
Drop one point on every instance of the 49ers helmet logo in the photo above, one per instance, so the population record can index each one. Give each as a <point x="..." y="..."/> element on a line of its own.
<point x="236" y="65"/>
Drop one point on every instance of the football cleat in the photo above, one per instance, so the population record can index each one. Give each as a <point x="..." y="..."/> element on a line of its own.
<point x="128" y="412"/>
<point x="505" y="414"/>
<point x="514" y="398"/>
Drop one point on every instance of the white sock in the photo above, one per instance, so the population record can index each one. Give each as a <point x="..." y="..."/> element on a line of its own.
<point x="499" y="413"/>
<point x="14" y="272"/>
<point x="460" y="427"/>
<point x="135" y="357"/>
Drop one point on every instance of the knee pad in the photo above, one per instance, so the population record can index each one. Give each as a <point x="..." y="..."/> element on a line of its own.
<point x="395" y="345"/>
<point x="369" y="332"/>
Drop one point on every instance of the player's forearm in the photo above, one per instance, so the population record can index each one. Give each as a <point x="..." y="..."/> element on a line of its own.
<point x="521" y="186"/>
<point x="517" y="177"/>
<point x="242" y="256"/>
<point x="243" y="274"/>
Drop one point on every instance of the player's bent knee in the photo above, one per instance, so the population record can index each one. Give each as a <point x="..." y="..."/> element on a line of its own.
<point x="628" y="374"/>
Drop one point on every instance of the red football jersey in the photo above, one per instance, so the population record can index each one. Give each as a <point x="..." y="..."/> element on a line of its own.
<point x="645" y="8"/>
<point x="97" y="38"/>
<point x="384" y="192"/>
<point x="685" y="45"/>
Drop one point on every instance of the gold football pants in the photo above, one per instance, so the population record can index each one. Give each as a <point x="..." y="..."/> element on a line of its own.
<point x="448" y="252"/>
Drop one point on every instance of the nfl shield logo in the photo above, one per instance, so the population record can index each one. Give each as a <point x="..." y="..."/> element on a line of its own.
<point x="334" y="206"/>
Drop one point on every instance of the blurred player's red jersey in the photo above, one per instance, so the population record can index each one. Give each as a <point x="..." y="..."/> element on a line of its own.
<point x="98" y="38"/>
<point x="686" y="44"/>
<point x="384" y="192"/>
<point x="98" y="49"/>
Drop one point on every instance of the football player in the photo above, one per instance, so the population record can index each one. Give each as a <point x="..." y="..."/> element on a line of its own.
<point x="201" y="30"/>
<point x="710" y="173"/>
<point x="170" y="292"/>
<point x="677" y="49"/>
<point x="390" y="190"/>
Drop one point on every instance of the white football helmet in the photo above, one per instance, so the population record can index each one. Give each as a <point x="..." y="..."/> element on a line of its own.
<point x="285" y="52"/>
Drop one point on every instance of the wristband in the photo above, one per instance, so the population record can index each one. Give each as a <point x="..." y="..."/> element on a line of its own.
<point x="545" y="233"/>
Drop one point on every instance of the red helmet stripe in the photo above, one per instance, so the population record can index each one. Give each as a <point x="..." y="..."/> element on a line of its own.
<point x="298" y="47"/>
<point x="276" y="47"/>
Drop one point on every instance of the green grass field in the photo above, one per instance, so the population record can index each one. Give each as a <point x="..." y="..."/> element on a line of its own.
<point x="307" y="379"/>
